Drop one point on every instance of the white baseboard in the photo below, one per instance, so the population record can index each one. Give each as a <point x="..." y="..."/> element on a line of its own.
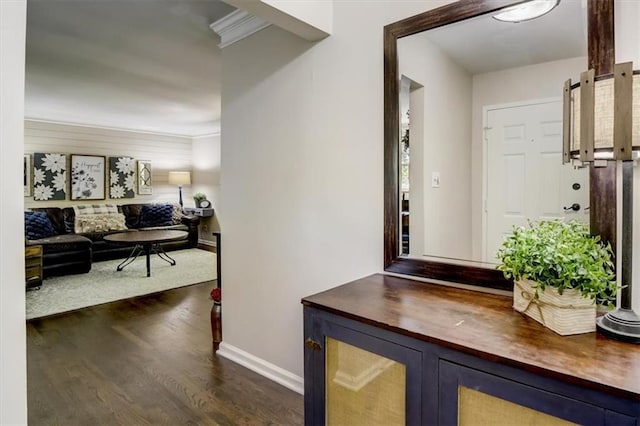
<point x="262" y="367"/>
<point x="207" y="243"/>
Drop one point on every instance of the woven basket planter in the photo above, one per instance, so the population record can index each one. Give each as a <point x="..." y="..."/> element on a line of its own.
<point x="566" y="314"/>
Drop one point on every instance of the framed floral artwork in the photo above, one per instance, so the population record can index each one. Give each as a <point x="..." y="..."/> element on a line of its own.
<point x="49" y="176"/>
<point x="122" y="177"/>
<point x="87" y="177"/>
<point x="144" y="177"/>
<point x="26" y="174"/>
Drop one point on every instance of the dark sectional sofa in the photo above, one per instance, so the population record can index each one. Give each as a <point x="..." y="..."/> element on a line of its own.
<point x="71" y="253"/>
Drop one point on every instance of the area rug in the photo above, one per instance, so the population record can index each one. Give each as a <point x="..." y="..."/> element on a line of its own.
<point x="104" y="284"/>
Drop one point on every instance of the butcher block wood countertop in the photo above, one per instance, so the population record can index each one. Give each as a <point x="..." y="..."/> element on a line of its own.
<point x="485" y="325"/>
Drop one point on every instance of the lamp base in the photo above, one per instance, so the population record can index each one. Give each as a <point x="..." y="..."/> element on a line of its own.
<point x="621" y="324"/>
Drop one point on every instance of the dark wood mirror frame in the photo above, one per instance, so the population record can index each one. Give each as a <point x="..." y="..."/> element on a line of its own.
<point x="601" y="57"/>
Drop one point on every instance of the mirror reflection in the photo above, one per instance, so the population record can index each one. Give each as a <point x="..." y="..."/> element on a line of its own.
<point x="481" y="131"/>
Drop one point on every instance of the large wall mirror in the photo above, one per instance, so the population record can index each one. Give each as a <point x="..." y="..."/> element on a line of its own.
<point x="473" y="133"/>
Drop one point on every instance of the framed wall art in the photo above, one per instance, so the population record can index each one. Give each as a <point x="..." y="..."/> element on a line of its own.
<point x="26" y="174"/>
<point x="49" y="176"/>
<point x="122" y="177"/>
<point x="87" y="177"/>
<point x="144" y="177"/>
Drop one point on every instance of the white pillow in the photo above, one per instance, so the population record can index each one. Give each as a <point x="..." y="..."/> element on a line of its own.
<point x="91" y="223"/>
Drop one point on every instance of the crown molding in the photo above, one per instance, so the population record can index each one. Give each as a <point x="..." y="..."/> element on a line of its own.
<point x="236" y="26"/>
<point x="207" y="135"/>
<point x="119" y="129"/>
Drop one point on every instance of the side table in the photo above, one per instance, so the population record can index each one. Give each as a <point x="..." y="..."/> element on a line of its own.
<point x="198" y="211"/>
<point x="216" y="309"/>
<point x="33" y="266"/>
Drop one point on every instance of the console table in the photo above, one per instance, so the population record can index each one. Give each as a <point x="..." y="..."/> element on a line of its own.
<point x="389" y="350"/>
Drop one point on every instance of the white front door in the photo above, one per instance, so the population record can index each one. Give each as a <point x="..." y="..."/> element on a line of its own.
<point x="525" y="178"/>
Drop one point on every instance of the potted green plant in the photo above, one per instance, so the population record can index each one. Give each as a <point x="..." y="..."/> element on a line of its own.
<point x="560" y="274"/>
<point x="198" y="197"/>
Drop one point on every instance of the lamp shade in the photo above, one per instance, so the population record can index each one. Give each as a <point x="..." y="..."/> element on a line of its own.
<point x="180" y="178"/>
<point x="602" y="116"/>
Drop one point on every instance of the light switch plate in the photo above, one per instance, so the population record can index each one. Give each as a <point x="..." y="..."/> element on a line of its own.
<point x="435" y="179"/>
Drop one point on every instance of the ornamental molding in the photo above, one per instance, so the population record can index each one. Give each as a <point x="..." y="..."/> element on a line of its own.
<point x="236" y="26"/>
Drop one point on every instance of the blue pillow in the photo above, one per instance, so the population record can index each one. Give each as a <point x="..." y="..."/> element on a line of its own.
<point x="37" y="225"/>
<point x="156" y="215"/>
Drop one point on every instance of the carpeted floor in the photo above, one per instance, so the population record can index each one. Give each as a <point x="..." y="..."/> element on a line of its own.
<point x="104" y="284"/>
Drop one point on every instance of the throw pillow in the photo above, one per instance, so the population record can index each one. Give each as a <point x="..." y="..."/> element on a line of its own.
<point x="92" y="209"/>
<point x="95" y="209"/>
<point x="69" y="218"/>
<point x="37" y="225"/>
<point x="177" y="214"/>
<point x="156" y="215"/>
<point x="92" y="223"/>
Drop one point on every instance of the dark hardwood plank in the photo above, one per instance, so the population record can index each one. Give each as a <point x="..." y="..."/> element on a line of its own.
<point x="486" y="326"/>
<point x="145" y="361"/>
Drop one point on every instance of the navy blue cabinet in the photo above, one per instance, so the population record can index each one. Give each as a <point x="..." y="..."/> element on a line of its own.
<point x="355" y="377"/>
<point x="344" y="358"/>
<point x="490" y="399"/>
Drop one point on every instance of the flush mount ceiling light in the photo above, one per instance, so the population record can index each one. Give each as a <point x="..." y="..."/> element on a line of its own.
<point x="526" y="11"/>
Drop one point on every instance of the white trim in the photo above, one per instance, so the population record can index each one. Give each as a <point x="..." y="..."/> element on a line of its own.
<point x="206" y="242"/>
<point x="508" y="105"/>
<point x="236" y="26"/>
<point x="262" y="367"/>
<point x="207" y="135"/>
<point x="97" y="126"/>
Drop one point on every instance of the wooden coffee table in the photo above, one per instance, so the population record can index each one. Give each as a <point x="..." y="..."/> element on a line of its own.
<point x="146" y="242"/>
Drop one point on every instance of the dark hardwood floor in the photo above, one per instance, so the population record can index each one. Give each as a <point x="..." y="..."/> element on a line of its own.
<point x="145" y="361"/>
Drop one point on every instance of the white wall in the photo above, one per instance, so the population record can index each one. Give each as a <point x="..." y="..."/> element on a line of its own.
<point x="540" y="81"/>
<point x="447" y="146"/>
<point x="302" y="153"/>
<point x="13" y="368"/>
<point x="166" y="152"/>
<point x="318" y="13"/>
<point x="206" y="178"/>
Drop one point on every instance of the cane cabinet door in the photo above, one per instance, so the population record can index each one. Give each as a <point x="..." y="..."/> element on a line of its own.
<point x="358" y="379"/>
<point x="472" y="397"/>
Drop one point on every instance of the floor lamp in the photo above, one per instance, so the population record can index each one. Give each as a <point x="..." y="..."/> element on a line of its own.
<point x="602" y="122"/>
<point x="180" y="179"/>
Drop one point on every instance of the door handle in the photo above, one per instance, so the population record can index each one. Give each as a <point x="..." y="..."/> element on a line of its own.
<point x="312" y="344"/>
<point x="573" y="207"/>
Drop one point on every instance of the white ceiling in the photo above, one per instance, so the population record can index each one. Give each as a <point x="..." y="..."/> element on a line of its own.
<point x="485" y="44"/>
<point x="150" y="65"/>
